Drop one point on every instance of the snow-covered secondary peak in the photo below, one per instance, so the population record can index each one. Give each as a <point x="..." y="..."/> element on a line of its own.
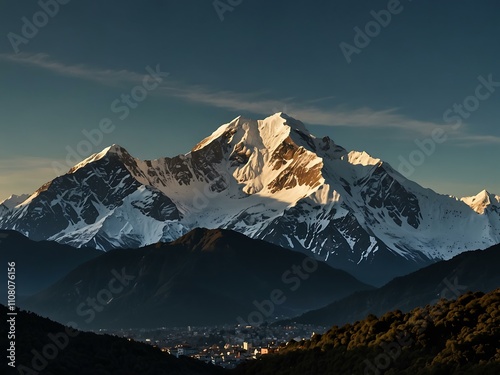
<point x="362" y="158"/>
<point x="14" y="200"/>
<point x="482" y="201"/>
<point x="11" y="202"/>
<point x="113" y="150"/>
<point x="269" y="179"/>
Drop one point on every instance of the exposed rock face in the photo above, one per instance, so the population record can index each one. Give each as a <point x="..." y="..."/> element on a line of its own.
<point x="269" y="179"/>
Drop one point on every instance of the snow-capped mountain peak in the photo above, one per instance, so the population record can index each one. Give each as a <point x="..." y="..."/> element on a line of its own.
<point x="14" y="200"/>
<point x="256" y="133"/>
<point x="482" y="201"/>
<point x="270" y="179"/>
<point x="113" y="150"/>
<point x="8" y="204"/>
<point x="362" y="158"/>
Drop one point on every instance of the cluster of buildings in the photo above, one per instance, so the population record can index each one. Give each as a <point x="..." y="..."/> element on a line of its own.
<point x="225" y="346"/>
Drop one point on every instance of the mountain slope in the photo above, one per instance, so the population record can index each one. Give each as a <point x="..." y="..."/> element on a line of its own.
<point x="451" y="337"/>
<point x="84" y="353"/>
<point x="482" y="202"/>
<point x="8" y="204"/>
<point x="92" y="206"/>
<point x="470" y="271"/>
<point x="39" y="264"/>
<point x="269" y="179"/>
<point x="206" y="277"/>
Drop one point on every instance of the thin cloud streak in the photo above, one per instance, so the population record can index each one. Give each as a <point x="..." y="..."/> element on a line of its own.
<point x="339" y="116"/>
<point x="103" y="76"/>
<point x="475" y="140"/>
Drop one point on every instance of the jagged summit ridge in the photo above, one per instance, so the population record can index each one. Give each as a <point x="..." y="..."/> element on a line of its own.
<point x="277" y="125"/>
<point x="269" y="179"/>
<point x="482" y="201"/>
<point x="111" y="151"/>
<point x="14" y="200"/>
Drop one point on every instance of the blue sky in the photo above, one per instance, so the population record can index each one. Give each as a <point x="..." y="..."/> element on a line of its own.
<point x="262" y="57"/>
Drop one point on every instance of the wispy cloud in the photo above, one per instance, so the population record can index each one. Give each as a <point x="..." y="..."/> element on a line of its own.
<point x="43" y="61"/>
<point x="307" y="111"/>
<point x="469" y="140"/>
<point x="337" y="116"/>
